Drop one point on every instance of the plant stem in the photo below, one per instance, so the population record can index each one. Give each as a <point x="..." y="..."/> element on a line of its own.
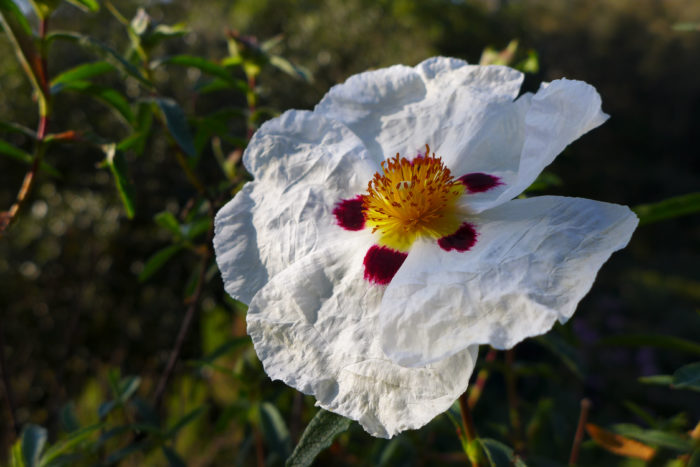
<point x="578" y="437"/>
<point x="477" y="388"/>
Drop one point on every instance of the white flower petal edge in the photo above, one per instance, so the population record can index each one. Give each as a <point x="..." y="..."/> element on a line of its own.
<point x="302" y="164"/>
<point x="533" y="261"/>
<point x="400" y="109"/>
<point x="314" y="326"/>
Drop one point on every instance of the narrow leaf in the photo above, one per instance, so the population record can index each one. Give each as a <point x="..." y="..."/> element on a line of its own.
<point x="168" y="221"/>
<point x="117" y="165"/>
<point x="657" y="437"/>
<point x="157" y="261"/>
<point x="291" y="69"/>
<point x="205" y="66"/>
<point x="176" y="121"/>
<point x="104" y="51"/>
<point x="652" y="340"/>
<point x="86" y="5"/>
<point x="20" y="34"/>
<point x="498" y="454"/>
<point x="687" y="377"/>
<point x="173" y="458"/>
<point x="668" y="208"/>
<point x="17" y="128"/>
<point x="620" y="445"/>
<point x="319" y="434"/>
<point x="17" y="154"/>
<point x="184" y="421"/>
<point x="566" y="353"/>
<point x="110" y="96"/>
<point x="83" y="72"/>
<point x="69" y="443"/>
<point x="33" y="441"/>
<point x="275" y="430"/>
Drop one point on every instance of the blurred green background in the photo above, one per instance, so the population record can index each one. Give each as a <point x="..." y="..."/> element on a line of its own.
<point x="73" y="307"/>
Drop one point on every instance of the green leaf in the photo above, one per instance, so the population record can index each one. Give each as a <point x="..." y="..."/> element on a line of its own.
<point x="19" y="32"/>
<point x="33" y="442"/>
<point x="657" y="437"/>
<point x="69" y="421"/>
<point x="168" y="221"/>
<point x="158" y="260"/>
<point x="205" y="66"/>
<point x="291" y="69"/>
<point x="26" y="158"/>
<point x="184" y="421"/>
<point x="196" y="228"/>
<point x="319" y="434"/>
<point x="686" y="27"/>
<point x="117" y="165"/>
<point x="176" y="122"/>
<point x="86" y="5"/>
<point x="13" y="127"/>
<point x="83" y="72"/>
<point x="275" y="430"/>
<point x="173" y="458"/>
<point x="687" y="377"/>
<point x="498" y="454"/>
<point x="104" y="51"/>
<point x="566" y="353"/>
<point x="652" y="340"/>
<point x="668" y="208"/>
<point x="662" y="380"/>
<point x="110" y="96"/>
<point x="69" y="443"/>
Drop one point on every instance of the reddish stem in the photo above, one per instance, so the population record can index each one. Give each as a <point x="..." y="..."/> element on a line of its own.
<point x="578" y="437"/>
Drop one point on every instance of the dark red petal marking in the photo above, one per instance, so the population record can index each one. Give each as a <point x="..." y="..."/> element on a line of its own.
<point x="348" y="213"/>
<point x="478" y="182"/>
<point x="381" y="264"/>
<point x="462" y="240"/>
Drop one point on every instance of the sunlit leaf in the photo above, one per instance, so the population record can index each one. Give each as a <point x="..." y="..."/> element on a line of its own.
<point x="117" y="165"/>
<point x="687" y="377"/>
<point x="67" y="444"/>
<point x="620" y="445"/>
<point x="83" y="72"/>
<point x="319" y="434"/>
<point x="19" y="32"/>
<point x="103" y="50"/>
<point x="657" y="437"/>
<point x="158" y="260"/>
<point x="86" y="5"/>
<point x="668" y="208"/>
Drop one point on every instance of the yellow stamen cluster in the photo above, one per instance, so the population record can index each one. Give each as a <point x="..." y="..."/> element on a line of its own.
<point x="411" y="199"/>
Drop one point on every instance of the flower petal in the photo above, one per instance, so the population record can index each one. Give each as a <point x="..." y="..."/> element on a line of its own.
<point x="517" y="141"/>
<point x="314" y="326"/>
<point x="400" y="109"/>
<point x="535" y="259"/>
<point x="303" y="165"/>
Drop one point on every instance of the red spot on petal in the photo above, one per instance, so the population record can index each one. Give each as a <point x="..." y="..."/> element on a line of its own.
<point x="462" y="240"/>
<point x="478" y="182"/>
<point x="381" y="264"/>
<point x="348" y="213"/>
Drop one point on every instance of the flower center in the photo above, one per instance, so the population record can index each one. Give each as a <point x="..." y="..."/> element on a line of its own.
<point x="411" y="199"/>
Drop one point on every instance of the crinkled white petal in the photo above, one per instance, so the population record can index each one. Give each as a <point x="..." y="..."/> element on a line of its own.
<point x="303" y="165"/>
<point x="315" y="327"/>
<point x="533" y="261"/>
<point x="400" y="109"/>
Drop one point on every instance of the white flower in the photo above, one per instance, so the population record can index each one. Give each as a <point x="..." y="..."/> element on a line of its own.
<point x="372" y="278"/>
